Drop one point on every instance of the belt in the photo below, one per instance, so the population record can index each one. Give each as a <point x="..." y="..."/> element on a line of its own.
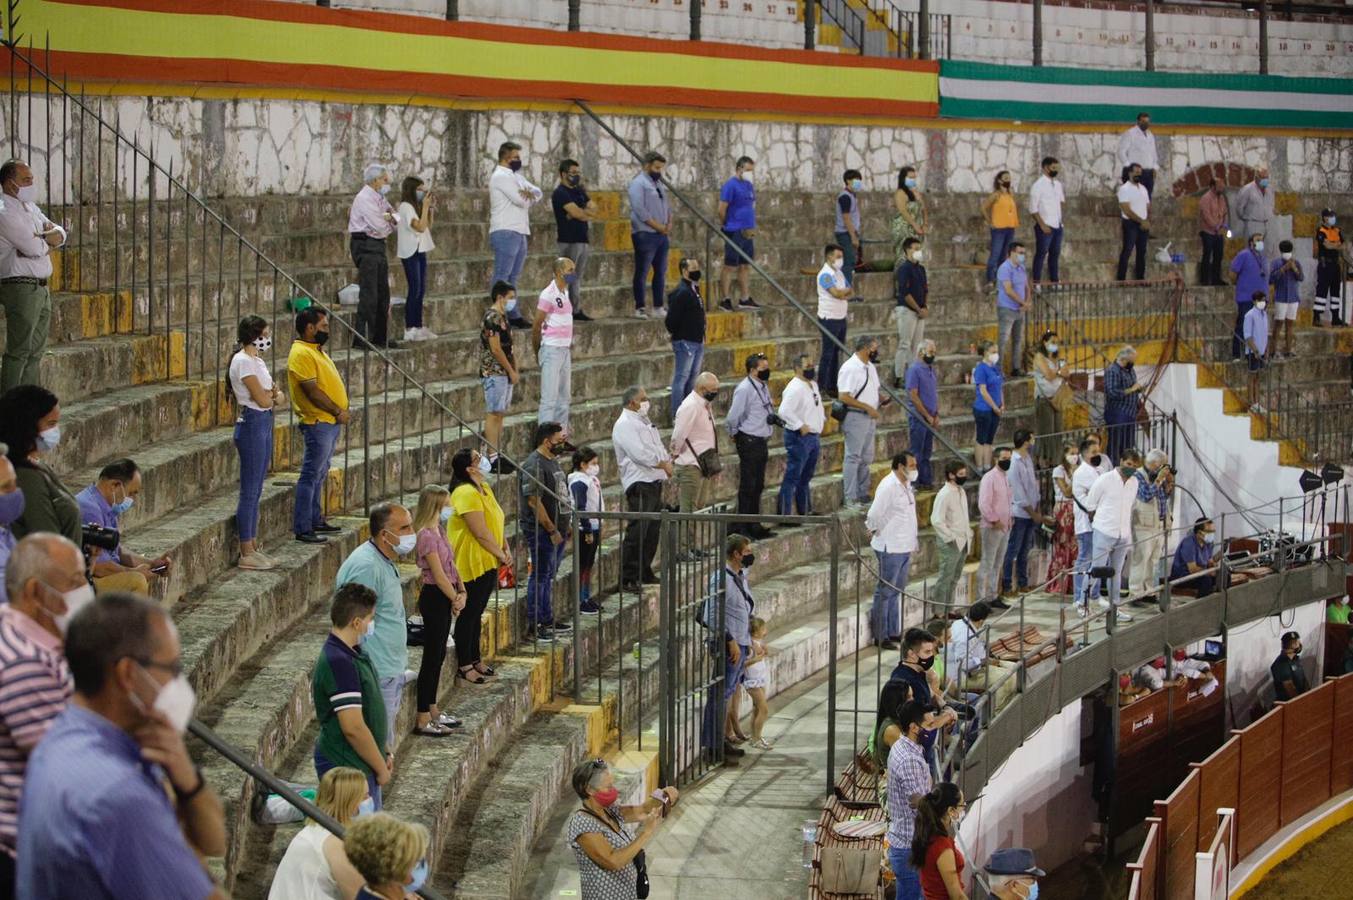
<point x="362" y="235"/>
<point x="24" y="279"/>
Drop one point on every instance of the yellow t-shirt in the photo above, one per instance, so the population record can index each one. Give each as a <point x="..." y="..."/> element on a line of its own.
<point x="471" y="558"/>
<point x="307" y="362"/>
<point x="1004" y="214"/>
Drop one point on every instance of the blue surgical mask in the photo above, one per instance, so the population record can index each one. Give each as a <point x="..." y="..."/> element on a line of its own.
<point x="445" y="515"/>
<point x="1209" y="537"/>
<point x="1263" y="182"/>
<point x="126" y="504"/>
<point x="420" y="876"/>
<point x="420" y="194"/>
<point x="366" y="807"/>
<point x="49" y="438"/>
<point x="1033" y="892"/>
<point x="910" y="182"/>
<point x="856" y="184"/>
<point x="1019" y="258"/>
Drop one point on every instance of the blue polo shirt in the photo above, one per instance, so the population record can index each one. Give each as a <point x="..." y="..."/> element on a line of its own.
<point x="388" y="648"/>
<point x="1190" y="550"/>
<point x="1017" y="276"/>
<point x="921" y="378"/>
<point x="96" y="510"/>
<point x="741" y="199"/>
<point x="1285" y="283"/>
<point x="993" y="379"/>
<point x="1256" y="329"/>
<point x="95" y="822"/>
<point x="1251" y="271"/>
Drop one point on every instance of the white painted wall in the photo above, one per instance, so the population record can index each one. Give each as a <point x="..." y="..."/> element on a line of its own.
<point x="1252" y="648"/>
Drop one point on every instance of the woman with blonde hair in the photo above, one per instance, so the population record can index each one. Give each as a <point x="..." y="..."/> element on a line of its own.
<point x="315" y="866"/>
<point x="389" y="854"/>
<point x="442" y="594"/>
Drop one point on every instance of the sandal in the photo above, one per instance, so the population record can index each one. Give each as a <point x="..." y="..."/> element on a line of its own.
<point x="433" y="729"/>
<point x="484" y="670"/>
<point x="738" y="739"/>
<point x="763" y="744"/>
<point x="465" y="674"/>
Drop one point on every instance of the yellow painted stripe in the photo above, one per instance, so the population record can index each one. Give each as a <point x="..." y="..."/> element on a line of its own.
<point x="1285" y="851"/>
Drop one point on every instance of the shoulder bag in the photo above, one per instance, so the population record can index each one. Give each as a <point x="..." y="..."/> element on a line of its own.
<point x="851" y="870"/>
<point x="839" y="409"/>
<point x="641" y="885"/>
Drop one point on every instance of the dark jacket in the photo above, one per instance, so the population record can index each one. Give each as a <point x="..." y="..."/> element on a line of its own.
<point x="686" y="314"/>
<point x="911" y="279"/>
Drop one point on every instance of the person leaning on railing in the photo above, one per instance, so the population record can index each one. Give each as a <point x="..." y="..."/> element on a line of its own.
<point x="611" y="863"/>
<point x="316" y="866"/>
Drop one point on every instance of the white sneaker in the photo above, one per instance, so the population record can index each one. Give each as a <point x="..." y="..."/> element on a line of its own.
<point x="1103" y="604"/>
<point x="428" y="333"/>
<point x="641" y="313"/>
<point x="1081" y="610"/>
<point x="256" y="562"/>
<point x="413" y="334"/>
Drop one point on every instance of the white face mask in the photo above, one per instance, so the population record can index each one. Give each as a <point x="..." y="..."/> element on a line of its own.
<point x="445" y="515"/>
<point x="1258" y="246"/>
<point x="49" y="438"/>
<point x="405" y="543"/>
<point x="175" y="701"/>
<point x="993" y="358"/>
<point x="912" y="475"/>
<point x="370" y="628"/>
<point x="917" y="255"/>
<point x="261" y="344"/>
<point x="838" y="264"/>
<point x="485" y="467"/>
<point x="747" y="176"/>
<point x="28" y="193"/>
<point x="1287" y="256"/>
<point x="1260" y="304"/>
<point x="593" y="469"/>
<point x="1073" y="458"/>
<point x="385" y="189"/>
<point x="644" y="407"/>
<point x="76" y="600"/>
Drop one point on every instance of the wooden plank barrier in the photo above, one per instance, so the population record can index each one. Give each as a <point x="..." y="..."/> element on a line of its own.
<point x="1257" y="812"/>
<point x="1308" y="727"/>
<point x="1179" y="817"/>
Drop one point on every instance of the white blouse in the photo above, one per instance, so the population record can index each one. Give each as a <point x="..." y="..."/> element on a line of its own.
<point x="410" y="241"/>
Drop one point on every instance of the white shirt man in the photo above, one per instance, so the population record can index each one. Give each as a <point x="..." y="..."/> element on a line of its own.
<point x="1136" y="197"/>
<point x="801" y="405"/>
<point x="639" y="451"/>
<point x="892" y="515"/>
<point x="508" y="209"/>
<point x="1046" y="199"/>
<point x="859" y="380"/>
<point x="829" y="307"/>
<point x="644" y="465"/>
<point x="24" y="252"/>
<point x="1137" y="145"/>
<point x="27" y="238"/>
<point x="1112" y="497"/>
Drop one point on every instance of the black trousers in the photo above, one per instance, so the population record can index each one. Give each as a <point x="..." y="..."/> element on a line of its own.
<point x="8" y="875"/>
<point x="471" y="618"/>
<point x="435" y="608"/>
<point x="1134" y="238"/>
<point x="587" y="556"/>
<point x="641" y="537"/>
<point x="373" y="279"/>
<point x="752" y="455"/>
<point x="1214" y="246"/>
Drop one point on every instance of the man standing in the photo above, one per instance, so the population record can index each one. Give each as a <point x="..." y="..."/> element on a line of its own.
<point x="650" y="225"/>
<point x="891" y="521"/>
<point x="1195" y="554"/>
<point x="552" y="334"/>
<point x="373" y="565"/>
<point x="859" y="384"/>
<point x="1254" y="206"/>
<point x="511" y="197"/>
<point x="993" y="502"/>
<point x="833" y="295"/>
<point x="1329" y="280"/>
<point x="1134" y="204"/>
<point x="803" y="417"/>
<point x="497" y="371"/>
<point x="908" y="782"/>
<point x="1122" y="400"/>
<point x="1082" y="480"/>
<point x="47" y="575"/>
<point x="321" y="404"/>
<point x="1214" y="219"/>
<point x="1013" y="301"/>
<point x="1111" y="498"/>
<point x="1285" y="276"/>
<point x="1137" y="147"/>
<point x="1046" y="199"/>
<point x="923" y="417"/>
<point x="847" y="232"/>
<point x="644" y="465"/>
<point x="953" y="532"/>
<point x="370" y="221"/>
<point x="27" y="238"/>
<point x="572" y="213"/>
<point x="685" y="323"/>
<point x="140" y="815"/>
<point x="545" y="524"/>
<point x="749" y="424"/>
<point x="737" y="217"/>
<point x="1150" y="521"/>
<point x="1250" y="268"/>
<point x="737" y="642"/>
<point x="910" y="312"/>
<point x="347" y="694"/>
<point x="1024" y="500"/>
<point x="103" y="503"/>
<point x="693" y="436"/>
<point x="1289" y="679"/>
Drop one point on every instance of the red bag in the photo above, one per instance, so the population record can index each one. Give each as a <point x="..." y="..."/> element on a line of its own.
<point x="506" y="577"/>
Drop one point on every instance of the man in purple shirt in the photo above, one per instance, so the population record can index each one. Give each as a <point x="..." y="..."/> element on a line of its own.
<point x="113" y="831"/>
<point x="1195" y="554"/>
<point x="370" y="222"/>
<point x="1012" y="305"/>
<point x="1250" y="268"/>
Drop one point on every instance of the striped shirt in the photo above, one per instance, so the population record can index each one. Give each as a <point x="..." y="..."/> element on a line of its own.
<point x="35" y="686"/>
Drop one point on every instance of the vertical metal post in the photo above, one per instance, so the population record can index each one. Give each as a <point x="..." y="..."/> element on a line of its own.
<point x="452" y="10"/>
<point x="576" y="536"/>
<point x="810" y="24"/>
<point x="666" y="672"/>
<point x="1263" y="37"/>
<point x="835" y="564"/>
<point x="1038" y="32"/>
<point x="695" y="20"/>
<point x="1150" y="38"/>
<point x="575" y="24"/>
<point x="923" y="27"/>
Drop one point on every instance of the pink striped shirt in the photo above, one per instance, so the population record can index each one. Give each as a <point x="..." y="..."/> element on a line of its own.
<point x="35" y="686"/>
<point x="993" y="499"/>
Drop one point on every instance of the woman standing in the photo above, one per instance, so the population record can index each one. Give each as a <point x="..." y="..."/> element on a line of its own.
<point x="933" y="851"/>
<point x="442" y="594"/>
<point x="476" y="535"/>
<point x="610" y="862"/>
<point x="315" y="866"/>
<point x="255" y="394"/>
<point x="1048" y="381"/>
<point x="1065" y="548"/>
<point x="584" y="487"/>
<point x="911" y="220"/>
<point x="989" y="403"/>
<point x="1002" y="216"/>
<point x="415" y="240"/>
<point x="30" y="426"/>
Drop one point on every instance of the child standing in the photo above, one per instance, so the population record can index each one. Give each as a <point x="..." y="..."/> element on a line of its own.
<point x="756" y="679"/>
<point x="584" y="486"/>
<point x="1285" y="275"/>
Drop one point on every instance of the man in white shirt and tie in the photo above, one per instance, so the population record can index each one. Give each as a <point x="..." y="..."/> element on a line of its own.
<point x="644" y="465"/>
<point x="892" y="522"/>
<point x="803" y="417"/>
<point x="1112" y="497"/>
<point x="27" y="238"/>
<point x="1137" y="145"/>
<point x="511" y="197"/>
<point x="858" y="383"/>
<point x="1046" y="199"/>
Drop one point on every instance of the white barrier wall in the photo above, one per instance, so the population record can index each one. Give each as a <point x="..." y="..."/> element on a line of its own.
<point x="1252" y="648"/>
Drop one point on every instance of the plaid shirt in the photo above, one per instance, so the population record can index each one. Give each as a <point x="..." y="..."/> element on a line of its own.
<point x="908" y="775"/>
<point x="1146" y="492"/>
<point x="1117" y="380"/>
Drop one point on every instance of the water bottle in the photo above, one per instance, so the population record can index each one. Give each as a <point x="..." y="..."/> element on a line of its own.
<point x="809" y="842"/>
<point x="635" y="651"/>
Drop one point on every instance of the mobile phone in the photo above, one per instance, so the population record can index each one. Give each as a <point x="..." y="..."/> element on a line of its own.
<point x="160" y="569"/>
<point x="661" y="797"/>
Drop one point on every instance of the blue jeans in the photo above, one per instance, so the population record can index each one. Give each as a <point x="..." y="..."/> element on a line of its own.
<point x="1001" y="239"/>
<point x="416" y="273"/>
<point x="320" y="439"/>
<point x="323" y="765"/>
<point x="253" y="440"/>
<point x="1084" y="551"/>
<point x="922" y="441"/>
<point x="1121" y="426"/>
<point x="689" y="355"/>
<point x="650" y="252"/>
<point x="556" y="384"/>
<point x="732" y="677"/>
<point x="908" y="879"/>
<point x="509" y="255"/>
<point x="801" y="452"/>
<point x="848" y="257"/>
<point x="830" y="363"/>
<point x="545" y="557"/>
<point x="1047" y="245"/>
<point x="885" y="616"/>
<point x="1109" y="551"/>
<point x="1017" y="553"/>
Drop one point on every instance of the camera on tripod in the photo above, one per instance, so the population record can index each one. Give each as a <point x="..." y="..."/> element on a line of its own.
<point x="100" y="537"/>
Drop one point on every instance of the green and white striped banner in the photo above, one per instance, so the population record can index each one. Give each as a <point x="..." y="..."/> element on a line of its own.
<point x="971" y="90"/>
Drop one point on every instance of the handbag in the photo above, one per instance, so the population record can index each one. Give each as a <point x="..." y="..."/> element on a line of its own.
<point x="708" y="462"/>
<point x="851" y="870"/>
<point x="839" y="410"/>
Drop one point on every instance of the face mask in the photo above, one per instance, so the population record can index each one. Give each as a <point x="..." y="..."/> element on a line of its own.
<point x="1128" y="471"/>
<point x="1209" y="537"/>
<point x="1287" y="256"/>
<point x="1019" y="258"/>
<point x="445" y="515"/>
<point x="837" y="264"/>
<point x="1134" y="178"/>
<point x="926" y="663"/>
<point x="1330" y="220"/>
<point x="575" y="180"/>
<point x="1072" y="459"/>
<point x="126" y="504"/>
<point x="1263" y="182"/>
<point x="928" y="359"/>
<point x="366" y="807"/>
<point x="1052" y="173"/>
<point x="912" y="475"/>
<point x="1096" y="459"/>
<point x="763" y="374"/>
<point x="385" y="189"/>
<point x="76" y="600"/>
<point x="960" y="480"/>
<point x="917" y="255"/>
<point x="873" y="356"/>
<point x="11" y="506"/>
<point x="515" y="165"/>
<point x="810" y="373"/>
<point x="1143" y="125"/>
<point x="176" y="702"/>
<point x="693" y="276"/>
<point x="484" y="466"/>
<point x="420" y="195"/>
<point x="594" y="469"/>
<point x="747" y="176"/>
<point x="1003" y="465"/>
<point x="656" y="176"/>
<point x="1260" y="304"/>
<point x="606" y="797"/>
<point x="321" y="338"/>
<point x="748" y="559"/>
<point x="262" y="344"/>
<point x="1258" y="246"/>
<point x="49" y="438"/>
<point x="420" y="875"/>
<point x="711" y="396"/>
<point x="370" y="629"/>
<point x="856" y="184"/>
<point x="910" y="182"/>
<point x="1033" y="892"/>
<point x="644" y="407"/>
<point x="1296" y="652"/>
<point x="28" y="193"/>
<point x="1005" y="184"/>
<point x="405" y="544"/>
<point x="993" y="358"/>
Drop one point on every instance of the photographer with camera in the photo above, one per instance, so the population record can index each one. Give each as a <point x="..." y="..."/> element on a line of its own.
<point x="751" y="420"/>
<point x="1150" y="521"/>
<point x="102" y="504"/>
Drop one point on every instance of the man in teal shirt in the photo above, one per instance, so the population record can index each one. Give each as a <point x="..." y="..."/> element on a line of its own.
<point x="373" y="565"/>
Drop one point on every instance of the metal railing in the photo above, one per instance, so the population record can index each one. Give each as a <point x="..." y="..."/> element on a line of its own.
<point x="848" y="20"/>
<point x="1095" y="319"/>
<point x="1150" y="432"/>
<point x="918" y="34"/>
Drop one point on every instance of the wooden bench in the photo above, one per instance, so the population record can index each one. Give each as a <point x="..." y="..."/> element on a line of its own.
<point x="855" y="797"/>
<point x="1029" y="644"/>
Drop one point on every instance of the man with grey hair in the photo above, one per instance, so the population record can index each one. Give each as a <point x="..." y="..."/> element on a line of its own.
<point x="1254" y="208"/>
<point x="858" y="383"/>
<point x="370" y="221"/>
<point x="47" y="586"/>
<point x="27" y="238"/>
<point x="693" y="438"/>
<point x="552" y="335"/>
<point x="1012" y="874"/>
<point x="1122" y="399"/>
<point x="1150" y="521"/>
<point x="644" y="465"/>
<point x="511" y="197"/>
<point x="373" y="565"/>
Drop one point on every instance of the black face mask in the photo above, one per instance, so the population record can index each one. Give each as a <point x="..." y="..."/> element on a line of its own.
<point x="515" y="165"/>
<point x="1134" y="178"/>
<point x="810" y="373"/>
<point x="711" y="396"/>
<point x="1096" y="460"/>
<point x="321" y="338"/>
<point x="873" y="356"/>
<point x="1005" y="184"/>
<point x="763" y="374"/>
<point x="693" y="276"/>
<point x="960" y="480"/>
<point x="748" y="559"/>
<point x="929" y="359"/>
<point x="926" y="663"/>
<point x="1004" y="465"/>
<point x="1053" y="173"/>
<point x="575" y="180"/>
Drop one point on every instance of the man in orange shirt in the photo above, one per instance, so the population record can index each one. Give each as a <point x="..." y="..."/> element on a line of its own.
<point x="1329" y="245"/>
